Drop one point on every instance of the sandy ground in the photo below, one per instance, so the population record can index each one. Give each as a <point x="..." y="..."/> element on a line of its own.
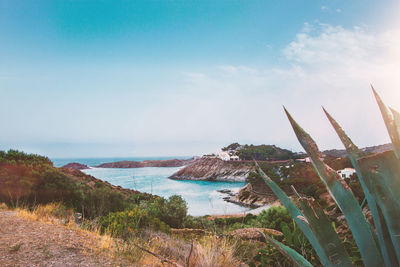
<point x="24" y="242"/>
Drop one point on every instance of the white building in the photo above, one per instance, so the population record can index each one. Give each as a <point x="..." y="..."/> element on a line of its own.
<point x="308" y="160"/>
<point x="346" y="172"/>
<point x="224" y="156"/>
<point x="235" y="158"/>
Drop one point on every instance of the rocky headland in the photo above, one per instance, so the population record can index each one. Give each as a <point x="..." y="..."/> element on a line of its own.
<point x="76" y="166"/>
<point x="214" y="169"/>
<point x="147" y="163"/>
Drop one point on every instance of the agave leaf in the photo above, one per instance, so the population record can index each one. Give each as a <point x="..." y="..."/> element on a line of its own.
<point x="396" y="120"/>
<point x="323" y="250"/>
<point x="296" y="258"/>
<point x="390" y="124"/>
<point x="323" y="230"/>
<point x="383" y="236"/>
<point x="344" y="198"/>
<point x="381" y="173"/>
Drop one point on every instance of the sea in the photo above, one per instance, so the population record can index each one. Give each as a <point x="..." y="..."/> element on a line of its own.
<point x="202" y="197"/>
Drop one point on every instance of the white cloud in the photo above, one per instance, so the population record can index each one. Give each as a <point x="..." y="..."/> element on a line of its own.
<point x="325" y="65"/>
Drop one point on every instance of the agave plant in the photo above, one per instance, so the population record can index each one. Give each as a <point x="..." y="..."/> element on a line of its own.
<point x="379" y="176"/>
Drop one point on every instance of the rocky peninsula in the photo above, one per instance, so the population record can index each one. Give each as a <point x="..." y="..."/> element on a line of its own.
<point x="147" y="163"/>
<point x="76" y="166"/>
<point x="214" y="169"/>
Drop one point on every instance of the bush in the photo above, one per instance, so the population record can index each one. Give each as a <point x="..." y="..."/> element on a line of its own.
<point x="273" y="217"/>
<point x="126" y="223"/>
<point x="198" y="223"/>
<point x="172" y="211"/>
<point x="100" y="201"/>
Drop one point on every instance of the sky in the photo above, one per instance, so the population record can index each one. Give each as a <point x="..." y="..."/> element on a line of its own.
<point x="183" y="78"/>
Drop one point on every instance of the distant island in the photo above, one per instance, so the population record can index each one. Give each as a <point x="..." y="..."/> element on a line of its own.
<point x="76" y="166"/>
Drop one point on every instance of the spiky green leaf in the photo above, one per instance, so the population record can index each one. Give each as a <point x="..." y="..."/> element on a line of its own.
<point x="344" y="198"/>
<point x="326" y="234"/>
<point x="385" y="242"/>
<point x="390" y="124"/>
<point x="323" y="250"/>
<point x="381" y="173"/>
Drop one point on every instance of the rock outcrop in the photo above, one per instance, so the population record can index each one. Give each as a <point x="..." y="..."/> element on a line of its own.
<point x="76" y="166"/>
<point x="252" y="197"/>
<point x="214" y="169"/>
<point x="146" y="163"/>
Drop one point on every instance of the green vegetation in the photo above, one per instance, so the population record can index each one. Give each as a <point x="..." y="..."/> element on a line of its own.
<point x="127" y="223"/>
<point x="260" y="152"/>
<point x="172" y="211"/>
<point x="31" y="180"/>
<point x="369" y="244"/>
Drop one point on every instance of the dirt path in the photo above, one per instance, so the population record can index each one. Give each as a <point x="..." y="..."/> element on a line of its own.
<point x="32" y="243"/>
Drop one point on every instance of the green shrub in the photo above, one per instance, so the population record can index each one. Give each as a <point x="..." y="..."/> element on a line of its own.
<point x="273" y="217"/>
<point x="198" y="223"/>
<point x="171" y="211"/>
<point x="126" y="223"/>
<point x="270" y="256"/>
<point x="100" y="201"/>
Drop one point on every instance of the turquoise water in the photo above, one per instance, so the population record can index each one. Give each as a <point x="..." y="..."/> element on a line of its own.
<point x="201" y="196"/>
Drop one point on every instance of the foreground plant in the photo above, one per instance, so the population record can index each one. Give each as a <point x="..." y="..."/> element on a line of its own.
<point x="379" y="176"/>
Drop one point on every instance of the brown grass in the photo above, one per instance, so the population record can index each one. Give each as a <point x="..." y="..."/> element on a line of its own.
<point x="53" y="213"/>
<point x="207" y="250"/>
<point x="3" y="206"/>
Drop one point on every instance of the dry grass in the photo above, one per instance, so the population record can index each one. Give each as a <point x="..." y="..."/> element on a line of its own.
<point x="53" y="213"/>
<point x="214" y="251"/>
<point x="207" y="250"/>
<point x="3" y="206"/>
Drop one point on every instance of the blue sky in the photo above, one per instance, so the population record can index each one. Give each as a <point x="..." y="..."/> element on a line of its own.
<point x="155" y="78"/>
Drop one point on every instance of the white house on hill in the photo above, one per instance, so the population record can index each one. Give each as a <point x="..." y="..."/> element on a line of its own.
<point x="346" y="172"/>
<point x="224" y="156"/>
<point x="307" y="159"/>
<point x="235" y="158"/>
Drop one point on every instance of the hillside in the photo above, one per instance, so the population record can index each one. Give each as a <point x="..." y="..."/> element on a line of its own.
<point x="27" y="179"/>
<point x="214" y="169"/>
<point x="260" y="152"/>
<point x="341" y="153"/>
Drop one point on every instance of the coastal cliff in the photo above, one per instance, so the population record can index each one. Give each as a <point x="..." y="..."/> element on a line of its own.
<point x="214" y="169"/>
<point x="146" y="163"/>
